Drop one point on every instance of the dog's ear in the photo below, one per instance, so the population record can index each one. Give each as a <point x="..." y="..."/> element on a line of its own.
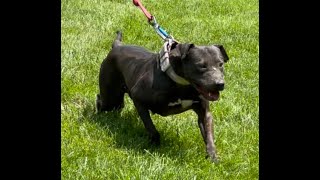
<point x="181" y="50"/>
<point x="223" y="52"/>
<point x="184" y="49"/>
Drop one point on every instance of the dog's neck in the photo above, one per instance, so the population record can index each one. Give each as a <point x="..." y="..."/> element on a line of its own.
<point x="169" y="63"/>
<point x="176" y="73"/>
<point x="176" y="62"/>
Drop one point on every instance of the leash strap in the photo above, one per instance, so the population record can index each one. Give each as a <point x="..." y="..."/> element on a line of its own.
<point x="153" y="22"/>
<point x="164" y="55"/>
<point x="143" y="9"/>
<point x="164" y="52"/>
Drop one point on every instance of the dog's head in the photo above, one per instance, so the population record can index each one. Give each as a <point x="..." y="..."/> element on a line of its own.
<point x="203" y="67"/>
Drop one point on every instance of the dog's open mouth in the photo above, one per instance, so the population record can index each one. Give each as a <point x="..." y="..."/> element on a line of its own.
<point x="209" y="95"/>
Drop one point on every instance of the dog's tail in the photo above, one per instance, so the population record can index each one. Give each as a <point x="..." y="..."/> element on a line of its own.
<point x="117" y="41"/>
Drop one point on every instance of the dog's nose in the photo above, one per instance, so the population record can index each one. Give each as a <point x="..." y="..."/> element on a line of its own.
<point x="219" y="86"/>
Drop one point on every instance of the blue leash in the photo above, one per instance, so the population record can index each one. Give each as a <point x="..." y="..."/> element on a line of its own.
<point x="152" y="21"/>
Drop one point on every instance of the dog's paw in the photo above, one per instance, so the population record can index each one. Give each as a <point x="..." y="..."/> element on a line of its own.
<point x="155" y="139"/>
<point x="213" y="159"/>
<point x="98" y="104"/>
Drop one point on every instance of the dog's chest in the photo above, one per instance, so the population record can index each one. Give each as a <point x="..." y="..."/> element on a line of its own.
<point x="184" y="103"/>
<point x="175" y="104"/>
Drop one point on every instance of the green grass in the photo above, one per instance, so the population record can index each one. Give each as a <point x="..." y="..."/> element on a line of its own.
<point x="115" y="145"/>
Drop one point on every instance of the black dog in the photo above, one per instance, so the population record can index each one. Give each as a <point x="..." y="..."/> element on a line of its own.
<point x="136" y="71"/>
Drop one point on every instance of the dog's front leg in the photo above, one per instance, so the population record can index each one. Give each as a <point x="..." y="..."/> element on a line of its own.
<point x="205" y="122"/>
<point x="148" y="124"/>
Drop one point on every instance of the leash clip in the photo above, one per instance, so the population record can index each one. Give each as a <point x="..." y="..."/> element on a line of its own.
<point x="159" y="30"/>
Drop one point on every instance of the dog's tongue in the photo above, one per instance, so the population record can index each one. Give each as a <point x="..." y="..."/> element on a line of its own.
<point x="211" y="96"/>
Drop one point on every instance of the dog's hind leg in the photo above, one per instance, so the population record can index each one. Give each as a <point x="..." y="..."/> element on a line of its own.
<point x="111" y="84"/>
<point x="109" y="100"/>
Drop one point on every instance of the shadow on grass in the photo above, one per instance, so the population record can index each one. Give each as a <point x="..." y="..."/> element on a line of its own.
<point x="128" y="132"/>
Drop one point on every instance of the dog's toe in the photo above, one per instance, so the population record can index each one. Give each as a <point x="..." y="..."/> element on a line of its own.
<point x="214" y="159"/>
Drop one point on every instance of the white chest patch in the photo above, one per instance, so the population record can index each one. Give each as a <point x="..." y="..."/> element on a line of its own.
<point x="183" y="103"/>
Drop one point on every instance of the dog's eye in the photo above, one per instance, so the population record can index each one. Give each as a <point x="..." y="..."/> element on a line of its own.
<point x="220" y="64"/>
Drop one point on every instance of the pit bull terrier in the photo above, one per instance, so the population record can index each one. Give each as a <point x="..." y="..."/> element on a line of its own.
<point x="196" y="76"/>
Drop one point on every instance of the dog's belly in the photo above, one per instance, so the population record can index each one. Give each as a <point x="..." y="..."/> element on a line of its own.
<point x="176" y="107"/>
